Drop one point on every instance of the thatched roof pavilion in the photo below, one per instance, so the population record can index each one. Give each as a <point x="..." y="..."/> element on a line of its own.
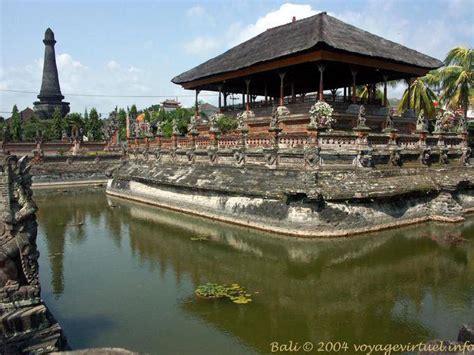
<point x="311" y="55"/>
<point x="296" y="47"/>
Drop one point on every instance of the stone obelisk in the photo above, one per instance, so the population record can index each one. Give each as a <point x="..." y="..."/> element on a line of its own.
<point x="50" y="95"/>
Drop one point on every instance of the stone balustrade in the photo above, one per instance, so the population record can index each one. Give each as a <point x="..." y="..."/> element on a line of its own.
<point x="301" y="151"/>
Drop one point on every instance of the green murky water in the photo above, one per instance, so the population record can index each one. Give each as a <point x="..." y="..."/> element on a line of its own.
<point x="121" y="274"/>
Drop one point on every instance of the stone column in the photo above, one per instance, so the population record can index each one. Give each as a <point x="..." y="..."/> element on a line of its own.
<point x="321" y="68"/>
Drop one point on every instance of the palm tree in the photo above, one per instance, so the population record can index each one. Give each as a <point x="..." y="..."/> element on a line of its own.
<point x="419" y="97"/>
<point x="456" y="78"/>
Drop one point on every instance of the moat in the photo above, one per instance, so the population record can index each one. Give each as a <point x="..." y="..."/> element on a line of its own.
<point x="117" y="273"/>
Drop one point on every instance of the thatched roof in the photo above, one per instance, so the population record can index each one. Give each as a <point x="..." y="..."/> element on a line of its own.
<point x="320" y="31"/>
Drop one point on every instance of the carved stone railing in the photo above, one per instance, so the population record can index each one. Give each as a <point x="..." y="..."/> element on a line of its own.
<point x="312" y="151"/>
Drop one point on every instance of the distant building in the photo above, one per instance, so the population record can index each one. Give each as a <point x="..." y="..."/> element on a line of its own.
<point x="207" y="110"/>
<point x="170" y="105"/>
<point x="26" y="115"/>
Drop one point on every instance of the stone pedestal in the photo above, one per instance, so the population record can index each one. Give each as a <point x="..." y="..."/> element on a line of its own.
<point x="362" y="135"/>
<point x="422" y="134"/>
<point x="30" y="329"/>
<point x="392" y="136"/>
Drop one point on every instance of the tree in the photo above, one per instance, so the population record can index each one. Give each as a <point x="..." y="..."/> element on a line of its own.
<point x="456" y="78"/>
<point x="17" y="129"/>
<point x="75" y="122"/>
<point x="419" y="97"/>
<point x="122" y="124"/>
<point x="133" y="112"/>
<point x="95" y="126"/>
<point x="58" y="124"/>
<point x="86" y="122"/>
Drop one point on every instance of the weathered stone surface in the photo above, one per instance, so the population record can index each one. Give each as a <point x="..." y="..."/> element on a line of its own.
<point x="466" y="333"/>
<point x="329" y="202"/>
<point x="26" y="326"/>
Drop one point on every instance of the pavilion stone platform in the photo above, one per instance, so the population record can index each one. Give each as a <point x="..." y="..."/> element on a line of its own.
<point x="336" y="187"/>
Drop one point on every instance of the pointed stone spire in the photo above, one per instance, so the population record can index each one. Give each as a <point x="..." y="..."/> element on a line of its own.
<point x="50" y="95"/>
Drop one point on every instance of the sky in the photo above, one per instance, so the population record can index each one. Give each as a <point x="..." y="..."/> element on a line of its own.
<point x="135" y="48"/>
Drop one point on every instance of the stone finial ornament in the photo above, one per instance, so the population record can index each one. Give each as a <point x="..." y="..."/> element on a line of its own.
<point x="421" y="122"/>
<point x="361" y="119"/>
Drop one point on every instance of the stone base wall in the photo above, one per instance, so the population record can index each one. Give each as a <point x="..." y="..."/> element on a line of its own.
<point x="326" y="203"/>
<point x="74" y="168"/>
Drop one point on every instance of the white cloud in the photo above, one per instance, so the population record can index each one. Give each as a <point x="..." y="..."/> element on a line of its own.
<point x="283" y="15"/>
<point x="195" y="11"/>
<point x="113" y="65"/>
<point x="201" y="45"/>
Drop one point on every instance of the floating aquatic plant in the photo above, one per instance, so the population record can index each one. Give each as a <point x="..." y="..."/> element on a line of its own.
<point x="200" y="238"/>
<point x="234" y="292"/>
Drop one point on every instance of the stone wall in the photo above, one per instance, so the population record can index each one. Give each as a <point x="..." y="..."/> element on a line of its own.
<point x="64" y="169"/>
<point x="328" y="201"/>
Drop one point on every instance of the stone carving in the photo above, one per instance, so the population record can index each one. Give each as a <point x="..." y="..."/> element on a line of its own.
<point x="425" y="156"/>
<point x="192" y="125"/>
<point x="242" y="119"/>
<point x="395" y="158"/>
<point x="19" y="282"/>
<point x="191" y="155"/>
<point x="213" y="122"/>
<point x="443" y="156"/>
<point x="212" y="154"/>
<point x="239" y="156"/>
<point x="277" y="115"/>
<point x="361" y="119"/>
<point x="364" y="158"/>
<point x="175" y="127"/>
<point x="312" y="156"/>
<point x="466" y="156"/>
<point x="389" y="124"/>
<point x="421" y="122"/>
<point x="158" y="128"/>
<point x="320" y="116"/>
<point x="462" y="125"/>
<point x="271" y="157"/>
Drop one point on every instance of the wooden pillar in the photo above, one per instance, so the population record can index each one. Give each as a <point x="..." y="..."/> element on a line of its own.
<point x="243" y="100"/>
<point x="354" y="74"/>
<point x="293" y="96"/>
<point x="409" y="92"/>
<point x="345" y="94"/>
<point x="196" y="104"/>
<point x="321" y="68"/>
<point x="384" y="102"/>
<point x="219" y="87"/>
<point x="247" y="85"/>
<point x="225" y="100"/>
<point x="266" y="94"/>
<point x="282" y="88"/>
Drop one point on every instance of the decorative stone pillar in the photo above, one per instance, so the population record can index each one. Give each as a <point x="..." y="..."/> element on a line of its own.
<point x="240" y="153"/>
<point x="213" y="133"/>
<point x="421" y="129"/>
<point x="174" y="138"/>
<point x="361" y="128"/>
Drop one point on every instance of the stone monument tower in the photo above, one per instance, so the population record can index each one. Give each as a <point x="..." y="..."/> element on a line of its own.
<point x="50" y="95"/>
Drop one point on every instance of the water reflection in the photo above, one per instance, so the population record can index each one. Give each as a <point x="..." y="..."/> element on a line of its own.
<point x="406" y="285"/>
